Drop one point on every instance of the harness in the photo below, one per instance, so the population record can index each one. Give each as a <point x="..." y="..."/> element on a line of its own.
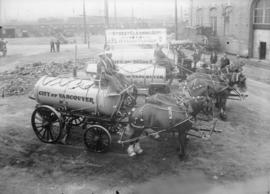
<point x="138" y="123"/>
<point x="235" y="77"/>
<point x="211" y="81"/>
<point x="160" y="131"/>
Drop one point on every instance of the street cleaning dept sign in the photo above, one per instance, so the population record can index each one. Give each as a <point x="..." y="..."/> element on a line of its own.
<point x="115" y="37"/>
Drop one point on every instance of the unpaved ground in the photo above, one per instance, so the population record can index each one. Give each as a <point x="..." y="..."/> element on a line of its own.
<point x="235" y="161"/>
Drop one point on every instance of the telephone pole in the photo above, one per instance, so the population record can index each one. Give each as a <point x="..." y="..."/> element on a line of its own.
<point x="84" y="23"/>
<point x="132" y="16"/>
<point x="176" y="19"/>
<point x="115" y="14"/>
<point x="181" y="14"/>
<point x="1" y="13"/>
<point x="106" y="14"/>
<point x="191" y="14"/>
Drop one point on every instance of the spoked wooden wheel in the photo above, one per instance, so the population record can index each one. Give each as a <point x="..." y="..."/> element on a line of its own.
<point x="47" y="124"/>
<point x="97" y="138"/>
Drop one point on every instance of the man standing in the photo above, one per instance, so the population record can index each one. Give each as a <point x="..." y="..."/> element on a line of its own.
<point x="57" y="45"/>
<point x="3" y="46"/>
<point x="224" y="61"/>
<point x="52" y="46"/>
<point x="213" y="57"/>
<point x="213" y="60"/>
<point x="196" y="57"/>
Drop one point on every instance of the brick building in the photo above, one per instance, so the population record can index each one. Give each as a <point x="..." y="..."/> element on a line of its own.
<point x="242" y="26"/>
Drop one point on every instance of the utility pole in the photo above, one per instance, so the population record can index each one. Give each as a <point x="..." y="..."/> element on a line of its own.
<point x="176" y="19"/>
<point x="191" y="12"/>
<point x="115" y="14"/>
<point x="106" y="14"/>
<point x="1" y="25"/>
<point x="1" y="13"/>
<point x="132" y="16"/>
<point x="84" y="23"/>
<point x="181" y="14"/>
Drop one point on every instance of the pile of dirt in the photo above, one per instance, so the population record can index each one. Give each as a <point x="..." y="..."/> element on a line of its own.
<point x="21" y="80"/>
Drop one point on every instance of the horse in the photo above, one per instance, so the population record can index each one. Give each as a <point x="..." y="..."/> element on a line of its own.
<point x="180" y="100"/>
<point x="220" y="86"/>
<point x="163" y="115"/>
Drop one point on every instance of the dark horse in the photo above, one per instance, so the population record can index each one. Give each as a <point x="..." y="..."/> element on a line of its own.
<point x="164" y="113"/>
<point x="220" y="86"/>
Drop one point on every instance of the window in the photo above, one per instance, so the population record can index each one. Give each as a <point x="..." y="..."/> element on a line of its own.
<point x="267" y="16"/>
<point x="199" y="17"/>
<point x="258" y="16"/>
<point x="226" y="15"/>
<point x="213" y="20"/>
<point x="262" y="12"/>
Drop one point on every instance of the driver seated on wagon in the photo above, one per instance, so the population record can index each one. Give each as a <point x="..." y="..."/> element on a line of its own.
<point x="162" y="60"/>
<point x="115" y="71"/>
<point x="203" y="67"/>
<point x="108" y="74"/>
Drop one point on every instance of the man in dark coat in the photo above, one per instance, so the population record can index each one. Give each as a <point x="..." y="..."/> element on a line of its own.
<point x="196" y="57"/>
<point x="57" y="43"/>
<point x="213" y="57"/>
<point x="162" y="60"/>
<point x="52" y="46"/>
<point x="224" y="61"/>
<point x="104" y="73"/>
<point x="114" y="70"/>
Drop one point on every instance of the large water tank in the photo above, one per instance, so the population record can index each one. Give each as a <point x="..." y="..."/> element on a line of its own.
<point x="76" y="94"/>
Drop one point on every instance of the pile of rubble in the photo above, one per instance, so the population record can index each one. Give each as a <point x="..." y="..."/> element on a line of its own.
<point x="21" y="80"/>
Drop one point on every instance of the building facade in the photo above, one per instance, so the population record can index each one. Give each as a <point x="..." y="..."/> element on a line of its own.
<point x="242" y="26"/>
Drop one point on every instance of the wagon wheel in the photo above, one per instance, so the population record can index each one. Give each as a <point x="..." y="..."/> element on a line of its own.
<point x="47" y="124"/>
<point x="77" y="120"/>
<point x="97" y="138"/>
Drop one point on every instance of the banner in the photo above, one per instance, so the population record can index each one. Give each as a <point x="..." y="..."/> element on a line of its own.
<point x="136" y="37"/>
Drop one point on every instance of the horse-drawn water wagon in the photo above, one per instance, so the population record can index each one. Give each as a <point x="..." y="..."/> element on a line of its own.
<point x="133" y="52"/>
<point x="64" y="102"/>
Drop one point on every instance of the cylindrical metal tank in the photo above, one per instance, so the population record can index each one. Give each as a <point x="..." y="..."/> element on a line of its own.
<point x="143" y="73"/>
<point x="76" y="94"/>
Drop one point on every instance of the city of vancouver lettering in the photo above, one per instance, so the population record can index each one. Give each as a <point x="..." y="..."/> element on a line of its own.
<point x="67" y="97"/>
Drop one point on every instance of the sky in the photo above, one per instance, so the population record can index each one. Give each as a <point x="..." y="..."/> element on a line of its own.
<point x="30" y="10"/>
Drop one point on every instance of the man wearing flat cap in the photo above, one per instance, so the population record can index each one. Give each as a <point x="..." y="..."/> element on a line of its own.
<point x="114" y="70"/>
<point x="105" y="73"/>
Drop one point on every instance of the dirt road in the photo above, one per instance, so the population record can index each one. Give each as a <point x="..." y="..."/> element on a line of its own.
<point x="235" y="161"/>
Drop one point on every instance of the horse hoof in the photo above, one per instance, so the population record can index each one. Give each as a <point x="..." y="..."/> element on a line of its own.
<point x="181" y="157"/>
<point x="157" y="136"/>
<point x="139" y="151"/>
<point x="132" y="154"/>
<point x="223" y="117"/>
<point x="63" y="141"/>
